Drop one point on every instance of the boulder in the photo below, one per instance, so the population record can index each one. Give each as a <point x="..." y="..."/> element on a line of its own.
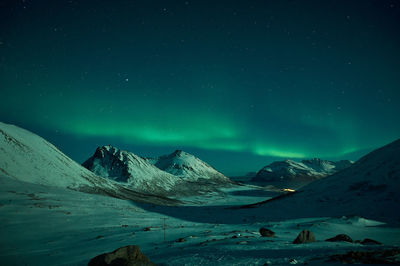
<point x="305" y="236"/>
<point x="339" y="238"/>
<point x="266" y="232"/>
<point x="124" y="256"/>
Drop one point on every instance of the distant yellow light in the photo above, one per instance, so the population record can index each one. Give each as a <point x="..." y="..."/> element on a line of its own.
<point x="288" y="190"/>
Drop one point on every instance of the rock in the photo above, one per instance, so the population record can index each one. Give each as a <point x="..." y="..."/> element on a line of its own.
<point x="340" y="237"/>
<point x="180" y="240"/>
<point x="305" y="236"/>
<point x="266" y="232"/>
<point x="124" y="256"/>
<point x="369" y="241"/>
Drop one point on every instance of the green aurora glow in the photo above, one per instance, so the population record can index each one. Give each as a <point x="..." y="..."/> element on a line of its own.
<point x="261" y="78"/>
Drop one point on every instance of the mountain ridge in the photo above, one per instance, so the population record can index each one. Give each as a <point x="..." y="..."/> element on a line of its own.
<point x="306" y="170"/>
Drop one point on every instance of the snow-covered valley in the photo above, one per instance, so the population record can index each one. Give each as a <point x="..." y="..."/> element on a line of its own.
<point x="53" y="226"/>
<point x="48" y="218"/>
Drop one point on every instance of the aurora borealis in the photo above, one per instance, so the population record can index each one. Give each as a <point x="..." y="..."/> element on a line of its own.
<point x="239" y="83"/>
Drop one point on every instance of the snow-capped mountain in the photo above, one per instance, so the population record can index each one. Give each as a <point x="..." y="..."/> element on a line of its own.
<point x="127" y="167"/>
<point x="306" y="170"/>
<point x="369" y="188"/>
<point x="26" y="157"/>
<point x="188" y="167"/>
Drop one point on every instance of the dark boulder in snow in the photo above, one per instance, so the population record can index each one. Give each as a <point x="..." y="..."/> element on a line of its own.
<point x="127" y="256"/>
<point x="305" y="236"/>
<point x="339" y="238"/>
<point x="266" y="232"/>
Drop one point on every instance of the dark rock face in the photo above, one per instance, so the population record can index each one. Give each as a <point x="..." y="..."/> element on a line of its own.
<point x="108" y="158"/>
<point x="340" y="238"/>
<point x="266" y="232"/>
<point x="305" y="236"/>
<point x="369" y="241"/>
<point x="125" y="256"/>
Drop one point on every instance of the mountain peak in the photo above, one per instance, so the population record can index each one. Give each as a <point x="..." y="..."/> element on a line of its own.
<point x="178" y="152"/>
<point x="101" y="151"/>
<point x="187" y="166"/>
<point x="313" y="160"/>
<point x="108" y="148"/>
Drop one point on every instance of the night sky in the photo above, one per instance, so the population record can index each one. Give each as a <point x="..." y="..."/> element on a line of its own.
<point x="237" y="83"/>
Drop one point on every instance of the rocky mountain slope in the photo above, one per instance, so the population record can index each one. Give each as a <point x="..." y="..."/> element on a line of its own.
<point x="306" y="170"/>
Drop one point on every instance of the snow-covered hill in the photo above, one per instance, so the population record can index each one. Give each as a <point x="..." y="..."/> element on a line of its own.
<point x="369" y="188"/>
<point x="26" y="157"/>
<point x="306" y="170"/>
<point x="188" y="167"/>
<point x="127" y="167"/>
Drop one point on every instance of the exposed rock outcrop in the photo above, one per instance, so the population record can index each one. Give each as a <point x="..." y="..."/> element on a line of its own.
<point x="124" y="256"/>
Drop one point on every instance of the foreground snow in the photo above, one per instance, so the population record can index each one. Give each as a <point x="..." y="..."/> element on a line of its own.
<point x="43" y="225"/>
